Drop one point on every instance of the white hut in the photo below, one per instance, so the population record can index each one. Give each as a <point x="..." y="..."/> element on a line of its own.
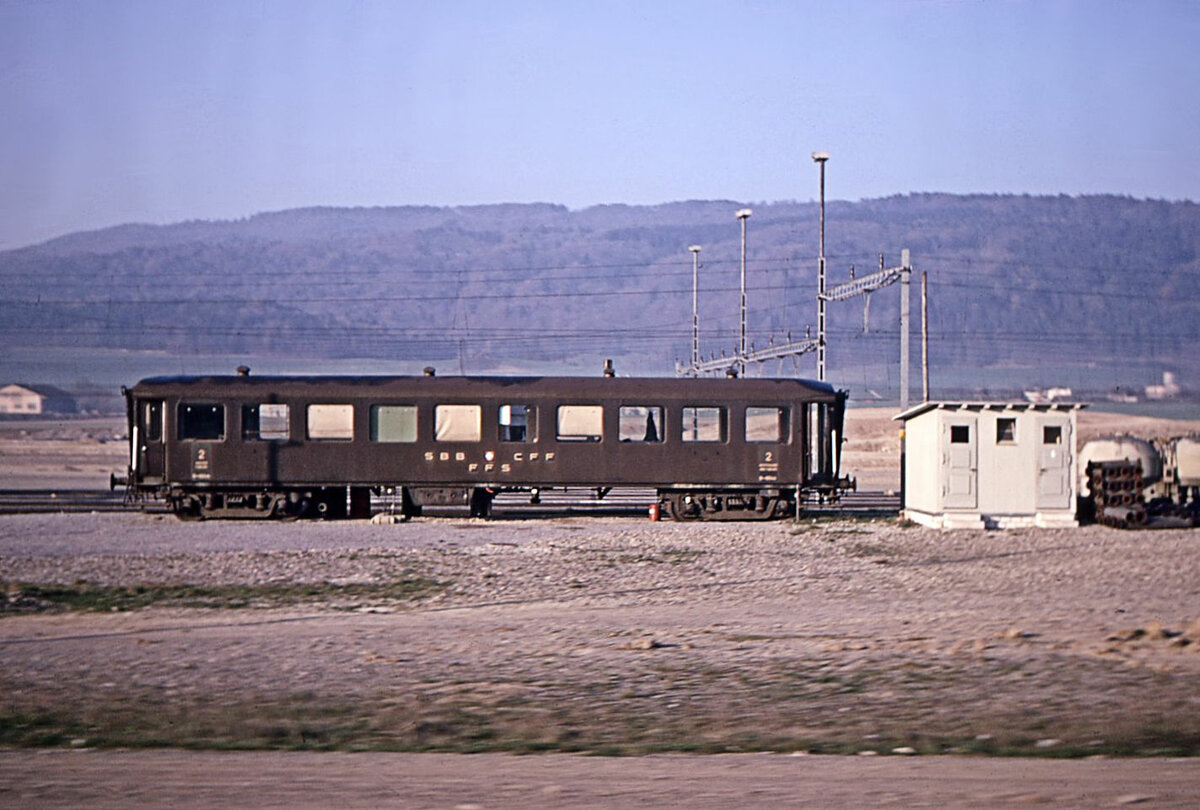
<point x="990" y="464"/>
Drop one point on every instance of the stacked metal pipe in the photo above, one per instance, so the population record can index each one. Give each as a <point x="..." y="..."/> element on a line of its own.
<point x="1116" y="488"/>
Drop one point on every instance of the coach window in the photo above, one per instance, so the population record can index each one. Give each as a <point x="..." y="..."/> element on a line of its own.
<point x="267" y="421"/>
<point x="394" y="423"/>
<point x="640" y="423"/>
<point x="458" y="423"/>
<point x="331" y="422"/>
<point x="516" y="423"/>
<point x="580" y="423"/>
<point x="767" y="425"/>
<point x="200" y="422"/>
<point x="703" y="424"/>
<point x="152" y="420"/>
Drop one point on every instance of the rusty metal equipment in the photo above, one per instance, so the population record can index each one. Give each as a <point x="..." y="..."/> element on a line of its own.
<point x="1117" y="497"/>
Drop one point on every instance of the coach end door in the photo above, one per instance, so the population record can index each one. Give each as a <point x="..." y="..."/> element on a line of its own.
<point x="147" y="442"/>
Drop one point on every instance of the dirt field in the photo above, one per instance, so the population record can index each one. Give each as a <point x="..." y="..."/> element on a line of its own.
<point x="62" y="454"/>
<point x="914" y="650"/>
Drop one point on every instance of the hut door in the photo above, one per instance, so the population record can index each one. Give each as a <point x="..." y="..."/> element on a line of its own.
<point x="1054" y="463"/>
<point x="960" y="465"/>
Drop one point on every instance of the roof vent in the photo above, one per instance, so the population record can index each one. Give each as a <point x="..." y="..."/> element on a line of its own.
<point x="429" y="371"/>
<point x="609" y="371"/>
<point x="243" y="371"/>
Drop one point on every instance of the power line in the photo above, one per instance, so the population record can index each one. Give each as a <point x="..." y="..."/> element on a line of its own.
<point x="516" y="296"/>
<point x="957" y="261"/>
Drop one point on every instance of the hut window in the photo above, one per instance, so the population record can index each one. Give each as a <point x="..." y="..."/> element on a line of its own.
<point x="1006" y="431"/>
<point x="1051" y="434"/>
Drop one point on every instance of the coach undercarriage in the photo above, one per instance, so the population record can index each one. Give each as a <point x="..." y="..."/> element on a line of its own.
<point x="291" y="504"/>
<point x="340" y="502"/>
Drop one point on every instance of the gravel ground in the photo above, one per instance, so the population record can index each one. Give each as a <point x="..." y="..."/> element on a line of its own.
<point x="595" y="635"/>
<point x="302" y="781"/>
<point x="604" y="634"/>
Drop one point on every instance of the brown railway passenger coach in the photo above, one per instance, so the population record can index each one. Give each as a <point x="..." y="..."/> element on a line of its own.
<point x="287" y="447"/>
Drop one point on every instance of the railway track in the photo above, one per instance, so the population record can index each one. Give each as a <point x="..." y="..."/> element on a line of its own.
<point x="29" y="501"/>
<point x="617" y="503"/>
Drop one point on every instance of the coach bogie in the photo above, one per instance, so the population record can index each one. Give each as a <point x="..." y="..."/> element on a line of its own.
<point x="717" y="505"/>
<point x="246" y="504"/>
<point x="477" y="501"/>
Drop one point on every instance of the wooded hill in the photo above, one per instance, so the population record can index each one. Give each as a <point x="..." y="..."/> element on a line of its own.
<point x="1100" y="282"/>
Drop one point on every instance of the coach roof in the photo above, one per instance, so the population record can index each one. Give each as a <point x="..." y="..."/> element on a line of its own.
<point x="559" y="386"/>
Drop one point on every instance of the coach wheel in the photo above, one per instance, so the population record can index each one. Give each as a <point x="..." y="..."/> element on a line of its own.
<point x="296" y="505"/>
<point x="772" y="508"/>
<point x="188" y="508"/>
<point x="283" y="509"/>
<point x="684" y="506"/>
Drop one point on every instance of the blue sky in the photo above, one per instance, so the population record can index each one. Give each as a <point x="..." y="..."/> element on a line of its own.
<point x="121" y="111"/>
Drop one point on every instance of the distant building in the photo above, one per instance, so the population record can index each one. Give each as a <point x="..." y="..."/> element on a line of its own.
<point x="1167" y="390"/>
<point x="975" y="465"/>
<point x="1041" y="395"/>
<point x="35" y="399"/>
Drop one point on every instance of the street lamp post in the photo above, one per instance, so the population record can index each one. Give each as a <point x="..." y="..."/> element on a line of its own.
<point x="819" y="158"/>
<point x="743" y="215"/>
<point x="695" y="249"/>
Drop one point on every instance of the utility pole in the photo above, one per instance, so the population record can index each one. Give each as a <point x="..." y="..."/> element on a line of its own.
<point x="903" y="380"/>
<point x="695" y="249"/>
<point x="820" y="158"/>
<point x="743" y="215"/>
<point x="925" y="335"/>
<point x="905" y="274"/>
